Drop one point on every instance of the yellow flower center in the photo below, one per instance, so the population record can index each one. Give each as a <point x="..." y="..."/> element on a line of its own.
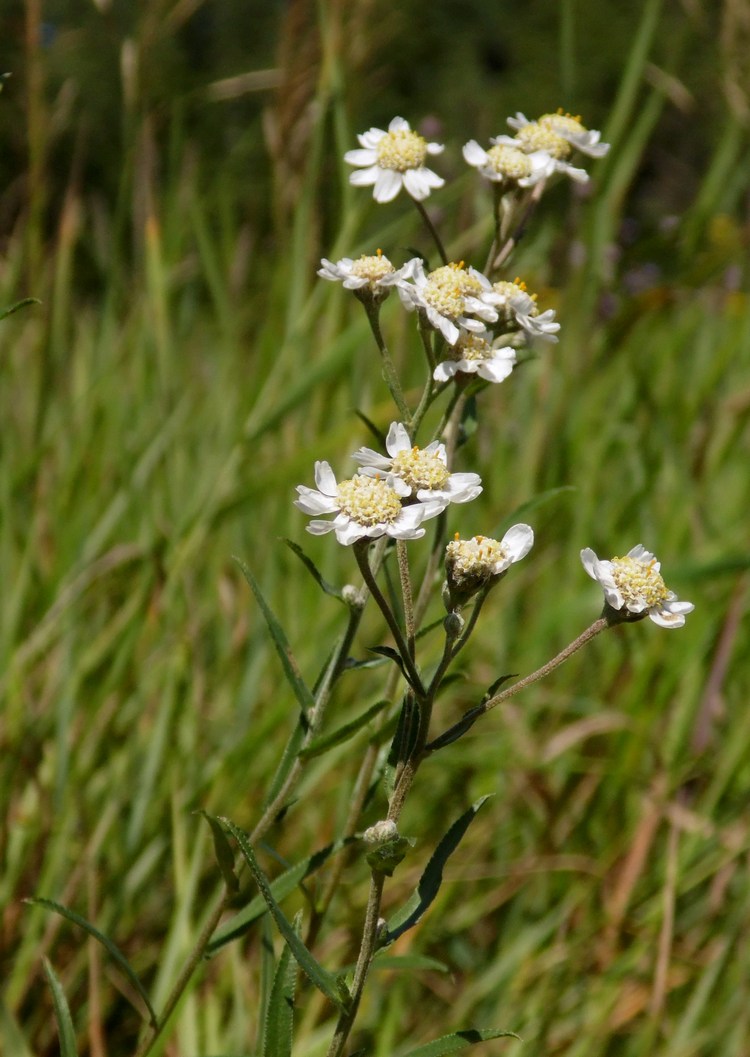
<point x="372" y="268"/>
<point x="639" y="581"/>
<point x="402" y="149"/>
<point x="369" y="501"/>
<point x="508" y="161"/>
<point x="420" y="469"/>
<point x="446" y="289"/>
<point x="562" y="123"/>
<point x="473" y="560"/>
<point x="539" y="137"/>
<point x="471" y="347"/>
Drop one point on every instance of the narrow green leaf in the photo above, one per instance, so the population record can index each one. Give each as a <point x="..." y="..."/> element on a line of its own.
<point x="312" y="568"/>
<point x="280" y="888"/>
<point x="116" y="954"/>
<point x="458" y="1041"/>
<point x="223" y="852"/>
<point x="288" y="663"/>
<point x="64" y="1020"/>
<point x="327" y="741"/>
<point x="432" y="878"/>
<point x="19" y="304"/>
<point x="331" y="986"/>
<point x="537" y="501"/>
<point x="392" y="655"/>
<point x="412" y="963"/>
<point x="277" y="1035"/>
<point x="405" y="736"/>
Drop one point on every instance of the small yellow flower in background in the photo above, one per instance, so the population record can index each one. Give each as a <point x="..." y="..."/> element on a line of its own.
<point x="394" y="159"/>
<point x="567" y="127"/>
<point x="634" y="585"/>
<point x="557" y="135"/>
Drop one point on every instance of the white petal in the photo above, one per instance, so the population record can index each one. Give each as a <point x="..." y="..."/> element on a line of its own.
<point x="364" y="177"/>
<point x="518" y="541"/>
<point x="671" y="614"/>
<point x="474" y="154"/>
<point x="311" y="502"/>
<point x="371" y="138"/>
<point x="349" y="532"/>
<point x="372" y="459"/>
<point x="399" y="124"/>
<point x="519" y="121"/>
<point x="319" y="528"/>
<point x="590" y="563"/>
<point x="361" y="157"/>
<point x="494" y="370"/>
<point x="325" y="478"/>
<point x="418" y="184"/>
<point x="387" y="185"/>
<point x="397" y="439"/>
<point x="445" y="370"/>
<point x="579" y="175"/>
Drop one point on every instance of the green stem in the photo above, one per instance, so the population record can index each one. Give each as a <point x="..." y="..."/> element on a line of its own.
<point x="360" y="553"/>
<point x="432" y="230"/>
<point x="406" y="593"/>
<point x="389" y="370"/>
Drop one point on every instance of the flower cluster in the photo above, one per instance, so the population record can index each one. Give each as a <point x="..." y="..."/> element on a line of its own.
<point x="634" y="588"/>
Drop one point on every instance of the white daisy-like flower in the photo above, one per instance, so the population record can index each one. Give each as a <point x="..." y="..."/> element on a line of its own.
<point x="394" y="159"/>
<point x="634" y="584"/>
<point x="423" y="471"/>
<point x="509" y="165"/>
<point x="370" y="277"/>
<point x="533" y="137"/>
<point x="450" y="297"/>
<point x="586" y="140"/>
<point x="520" y="307"/>
<point x="475" y="354"/>
<point x="470" y="564"/>
<point x="364" y="507"/>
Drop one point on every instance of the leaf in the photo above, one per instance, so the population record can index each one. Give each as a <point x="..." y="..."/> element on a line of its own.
<point x="5" y="312"/>
<point x="116" y="955"/>
<point x="405" y="737"/>
<point x="62" y="1013"/>
<point x="332" y="987"/>
<point x="312" y="568"/>
<point x="327" y="741"/>
<point x="393" y="655"/>
<point x="432" y="878"/>
<point x="288" y="663"/>
<point x="459" y="1041"/>
<point x="466" y="722"/>
<point x="277" y="1033"/>
<point x="494" y="687"/>
<point x="224" y="854"/>
<point x="280" y="888"/>
<point x="412" y="963"/>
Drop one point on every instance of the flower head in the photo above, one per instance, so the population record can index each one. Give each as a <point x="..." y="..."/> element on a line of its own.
<point x="568" y="128"/>
<point x="370" y="277"/>
<point x="470" y="564"/>
<point x="394" y="159"/>
<point x="520" y="307"/>
<point x="423" y="472"/>
<point x="634" y="587"/>
<point x="364" y="507"/>
<point x="476" y="354"/>
<point x="454" y="298"/>
<point x="509" y="165"/>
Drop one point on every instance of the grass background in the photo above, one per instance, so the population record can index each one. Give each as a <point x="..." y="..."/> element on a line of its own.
<point x="171" y="175"/>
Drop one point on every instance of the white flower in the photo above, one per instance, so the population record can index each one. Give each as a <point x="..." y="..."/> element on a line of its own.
<point x="504" y="164"/>
<point x="392" y="160"/>
<point x="470" y="564"/>
<point x="368" y="276"/>
<point x="423" y="471"/>
<point x="450" y="296"/>
<point x="475" y="354"/>
<point x="533" y="137"/>
<point x="521" y="307"/>
<point x="634" y="583"/>
<point x="364" y="507"/>
<point x="569" y="128"/>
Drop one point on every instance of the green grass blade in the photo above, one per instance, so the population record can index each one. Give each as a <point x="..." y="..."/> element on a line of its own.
<point x="279" y="1022"/>
<point x="337" y="737"/>
<point x="458" y="1041"/>
<point x="64" y="1020"/>
<point x="116" y="955"/>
